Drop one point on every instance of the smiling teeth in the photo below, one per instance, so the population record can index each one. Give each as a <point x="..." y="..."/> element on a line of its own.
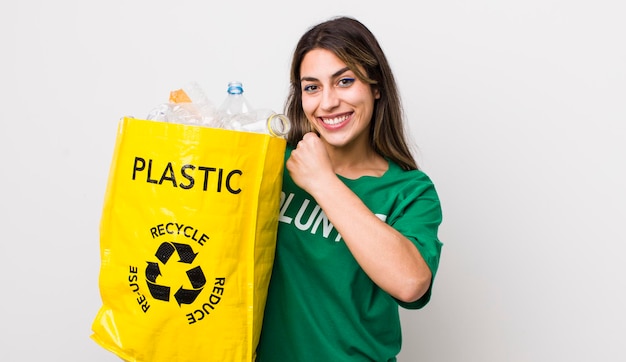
<point x="333" y="121"/>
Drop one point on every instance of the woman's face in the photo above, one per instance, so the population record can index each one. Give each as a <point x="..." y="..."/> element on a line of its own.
<point x="337" y="103"/>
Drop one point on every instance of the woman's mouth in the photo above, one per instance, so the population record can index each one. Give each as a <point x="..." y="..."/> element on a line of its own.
<point x="333" y="121"/>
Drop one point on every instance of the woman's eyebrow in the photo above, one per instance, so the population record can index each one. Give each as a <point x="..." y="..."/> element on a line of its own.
<point x="336" y="74"/>
<point x="340" y="71"/>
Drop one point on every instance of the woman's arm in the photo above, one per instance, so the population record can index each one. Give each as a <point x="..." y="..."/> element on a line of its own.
<point x="391" y="260"/>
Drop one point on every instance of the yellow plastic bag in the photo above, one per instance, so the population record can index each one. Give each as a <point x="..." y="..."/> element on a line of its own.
<point x="187" y="241"/>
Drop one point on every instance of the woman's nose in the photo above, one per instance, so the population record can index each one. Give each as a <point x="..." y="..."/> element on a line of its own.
<point x="330" y="99"/>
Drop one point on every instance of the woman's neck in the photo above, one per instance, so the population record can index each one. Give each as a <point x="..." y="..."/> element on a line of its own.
<point x="355" y="163"/>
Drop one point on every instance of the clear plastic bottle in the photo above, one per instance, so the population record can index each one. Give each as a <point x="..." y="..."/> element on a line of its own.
<point x="237" y="114"/>
<point x="235" y="102"/>
<point x="268" y="122"/>
<point x="188" y="105"/>
<point x="202" y="110"/>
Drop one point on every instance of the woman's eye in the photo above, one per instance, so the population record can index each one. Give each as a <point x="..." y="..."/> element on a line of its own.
<point x="309" y="88"/>
<point x="345" y="82"/>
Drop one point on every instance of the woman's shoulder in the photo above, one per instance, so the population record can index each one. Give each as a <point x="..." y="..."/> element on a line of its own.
<point x="416" y="175"/>
<point x="409" y="182"/>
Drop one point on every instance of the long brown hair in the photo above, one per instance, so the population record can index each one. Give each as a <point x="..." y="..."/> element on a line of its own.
<point x="356" y="46"/>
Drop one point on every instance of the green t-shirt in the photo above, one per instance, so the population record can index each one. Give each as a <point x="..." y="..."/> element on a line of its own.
<point x="321" y="305"/>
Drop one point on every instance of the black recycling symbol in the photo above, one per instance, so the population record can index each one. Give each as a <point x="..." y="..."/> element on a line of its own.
<point x="195" y="275"/>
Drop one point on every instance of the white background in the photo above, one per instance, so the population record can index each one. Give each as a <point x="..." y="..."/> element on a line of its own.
<point x="518" y="109"/>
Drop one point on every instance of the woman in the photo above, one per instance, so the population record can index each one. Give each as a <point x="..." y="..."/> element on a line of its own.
<point x="358" y="223"/>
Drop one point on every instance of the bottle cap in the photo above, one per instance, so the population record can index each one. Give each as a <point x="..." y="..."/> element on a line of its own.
<point x="235" y="88"/>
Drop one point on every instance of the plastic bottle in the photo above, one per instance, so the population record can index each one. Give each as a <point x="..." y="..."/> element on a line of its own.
<point x="268" y="122"/>
<point x="235" y="102"/>
<point x="202" y="110"/>
<point x="238" y="114"/>
<point x="188" y="105"/>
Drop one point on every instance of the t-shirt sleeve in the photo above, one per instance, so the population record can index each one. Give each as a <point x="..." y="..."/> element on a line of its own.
<point x="418" y="216"/>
